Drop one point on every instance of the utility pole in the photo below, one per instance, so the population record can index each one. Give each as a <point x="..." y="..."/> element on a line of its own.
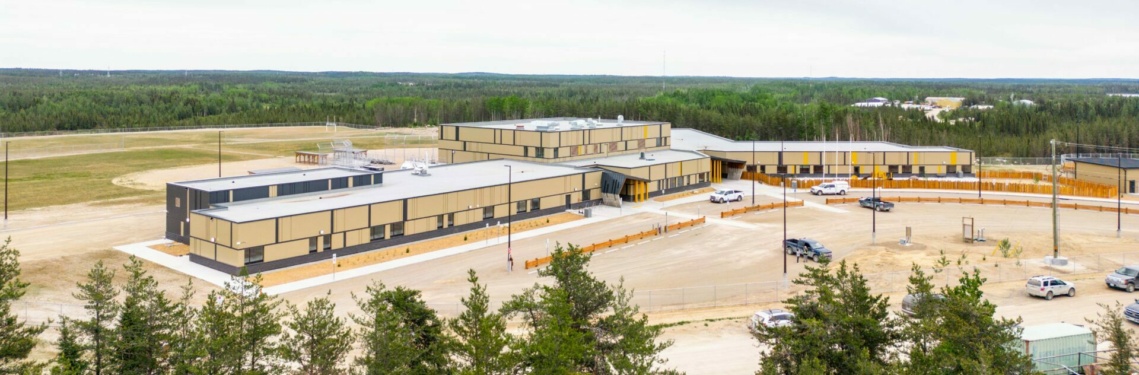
<point x="1119" y="196"/>
<point x="781" y="148"/>
<point x="6" y="182"/>
<point x="219" y="153"/>
<point x="874" y="199"/>
<point x="978" y="176"/>
<point x="509" y="216"/>
<point x="1055" y="221"/>
<point x="756" y="171"/>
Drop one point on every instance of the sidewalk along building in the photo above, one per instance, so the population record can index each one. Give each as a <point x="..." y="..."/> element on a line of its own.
<point x="409" y="205"/>
<point x="1117" y="171"/>
<point x="182" y="198"/>
<point x="729" y="159"/>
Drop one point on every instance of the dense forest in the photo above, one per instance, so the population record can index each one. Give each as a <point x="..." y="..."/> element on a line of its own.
<point x="740" y="108"/>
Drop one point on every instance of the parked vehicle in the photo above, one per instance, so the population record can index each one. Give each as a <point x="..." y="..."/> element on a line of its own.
<point x="1123" y="278"/>
<point x="910" y="302"/>
<point x="1048" y="286"/>
<point x="1131" y="312"/>
<point x="723" y="196"/>
<point x="875" y="203"/>
<point x="771" y="318"/>
<point x="836" y="187"/>
<point x="807" y="248"/>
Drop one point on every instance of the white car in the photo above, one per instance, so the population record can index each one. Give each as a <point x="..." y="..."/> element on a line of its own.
<point x="837" y="187"/>
<point x="1048" y="286"/>
<point x="723" y="196"/>
<point x="771" y="319"/>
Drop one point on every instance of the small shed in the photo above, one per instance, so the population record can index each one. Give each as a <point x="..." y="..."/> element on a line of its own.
<point x="1057" y="346"/>
<point x="1107" y="170"/>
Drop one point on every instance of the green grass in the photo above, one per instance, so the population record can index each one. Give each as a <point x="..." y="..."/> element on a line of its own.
<point x="84" y="178"/>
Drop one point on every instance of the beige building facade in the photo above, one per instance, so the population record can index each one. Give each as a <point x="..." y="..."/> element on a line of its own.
<point x="1122" y="172"/>
<point x="549" y="140"/>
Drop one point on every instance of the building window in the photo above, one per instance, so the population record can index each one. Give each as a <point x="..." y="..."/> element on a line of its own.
<point x="525" y="151"/>
<point x="585" y="195"/>
<point x="521" y="207"/>
<point x="378" y="232"/>
<point x="219" y="197"/>
<point x="488" y="212"/>
<point x="339" y="183"/>
<point x="312" y="245"/>
<point x="450" y="220"/>
<point x="177" y="202"/>
<point x="364" y="180"/>
<point x="397" y="229"/>
<point x="535" y="204"/>
<point x="255" y="255"/>
<point x="539" y="152"/>
<point x="327" y="242"/>
<point x="439" y="222"/>
<point x="556" y="153"/>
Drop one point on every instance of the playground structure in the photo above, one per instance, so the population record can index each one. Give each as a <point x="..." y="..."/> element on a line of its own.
<point x="338" y="153"/>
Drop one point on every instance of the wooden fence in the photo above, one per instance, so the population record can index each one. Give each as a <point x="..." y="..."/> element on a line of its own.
<point x="1067" y="185"/>
<point x="760" y="207"/>
<point x="996" y="202"/>
<point x="619" y="241"/>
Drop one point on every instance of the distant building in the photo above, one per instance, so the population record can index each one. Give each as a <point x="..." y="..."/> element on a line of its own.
<point x="1124" y="95"/>
<point x="981" y="106"/>
<point x="1024" y="102"/>
<point x="1107" y="170"/>
<point x="944" y="101"/>
<point x="873" y="102"/>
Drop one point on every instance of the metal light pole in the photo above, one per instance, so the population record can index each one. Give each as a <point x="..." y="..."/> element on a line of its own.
<point x="978" y="176"/>
<point x="509" y="214"/>
<point x="784" y="210"/>
<point x="1119" y="196"/>
<point x="873" y="199"/>
<point x="1055" y="221"/>
<point x="753" y="174"/>
<point x="219" y="153"/>
<point x="6" y="182"/>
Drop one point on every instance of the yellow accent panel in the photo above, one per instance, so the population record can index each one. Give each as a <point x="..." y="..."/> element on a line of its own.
<point x="916" y="155"/>
<point x="953" y="158"/>
<point x="806" y="158"/>
<point x="646" y="131"/>
<point x="853" y="158"/>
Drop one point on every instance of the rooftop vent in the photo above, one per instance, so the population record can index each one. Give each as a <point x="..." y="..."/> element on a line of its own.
<point x="620" y="119"/>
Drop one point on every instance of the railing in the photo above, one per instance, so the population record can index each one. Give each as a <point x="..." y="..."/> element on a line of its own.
<point x="990" y="201"/>
<point x="759" y="207"/>
<point x="1067" y="186"/>
<point x="537" y="262"/>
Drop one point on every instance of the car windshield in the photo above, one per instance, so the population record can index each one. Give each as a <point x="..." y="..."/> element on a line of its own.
<point x="813" y="244"/>
<point x="1127" y="271"/>
<point x="721" y="192"/>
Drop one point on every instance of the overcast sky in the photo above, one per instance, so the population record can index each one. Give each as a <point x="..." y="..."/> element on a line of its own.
<point x="752" y="38"/>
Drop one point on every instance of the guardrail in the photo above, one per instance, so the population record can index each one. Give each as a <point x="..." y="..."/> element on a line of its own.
<point x="759" y="207"/>
<point x="619" y="241"/>
<point x="997" y="202"/>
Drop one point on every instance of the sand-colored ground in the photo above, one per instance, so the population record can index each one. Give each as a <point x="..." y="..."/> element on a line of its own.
<point x="373" y="257"/>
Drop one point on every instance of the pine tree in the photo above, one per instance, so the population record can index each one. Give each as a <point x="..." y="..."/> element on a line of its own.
<point x="17" y="339"/>
<point x="1109" y="326"/>
<point x="185" y="346"/>
<point x="239" y="326"/>
<point x="70" y="359"/>
<point x="144" y="324"/>
<point x="398" y="333"/>
<point x="482" y="340"/>
<point x="98" y="296"/>
<point x="580" y="324"/>
<point x="317" y="340"/>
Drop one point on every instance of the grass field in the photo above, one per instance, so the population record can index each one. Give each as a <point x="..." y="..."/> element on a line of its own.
<point x="57" y="170"/>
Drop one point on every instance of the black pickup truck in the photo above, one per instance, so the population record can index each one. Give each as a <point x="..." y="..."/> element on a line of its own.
<point x="808" y="248"/>
<point x="875" y="203"/>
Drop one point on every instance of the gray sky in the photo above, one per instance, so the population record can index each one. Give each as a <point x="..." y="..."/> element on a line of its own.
<point x="755" y="38"/>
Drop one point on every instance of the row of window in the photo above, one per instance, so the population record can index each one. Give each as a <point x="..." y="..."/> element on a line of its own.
<point x="540" y="152"/>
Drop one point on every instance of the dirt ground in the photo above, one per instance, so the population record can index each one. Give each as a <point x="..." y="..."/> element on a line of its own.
<point x="670" y="274"/>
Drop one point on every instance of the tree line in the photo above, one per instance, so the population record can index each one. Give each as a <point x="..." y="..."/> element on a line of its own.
<point x="738" y="108"/>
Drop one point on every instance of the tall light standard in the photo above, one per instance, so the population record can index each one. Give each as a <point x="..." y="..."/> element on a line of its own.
<point x="1055" y="220"/>
<point x="978" y="176"/>
<point x="509" y="215"/>
<point x="874" y="198"/>
<point x="219" y="153"/>
<point x="781" y="148"/>
<point x="1118" y="195"/>
<point x="6" y="182"/>
<point x="753" y="173"/>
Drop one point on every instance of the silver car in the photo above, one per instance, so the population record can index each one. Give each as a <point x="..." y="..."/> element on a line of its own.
<point x="770" y="318"/>
<point x="1123" y="278"/>
<point x="1048" y="286"/>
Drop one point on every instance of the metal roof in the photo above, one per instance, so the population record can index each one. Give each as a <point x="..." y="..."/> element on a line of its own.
<point x="239" y="182"/>
<point x="398" y="185"/>
<point x="1052" y="330"/>
<point x="1128" y="163"/>
<point x="563" y="123"/>
<point x="634" y="160"/>
<point x="692" y="139"/>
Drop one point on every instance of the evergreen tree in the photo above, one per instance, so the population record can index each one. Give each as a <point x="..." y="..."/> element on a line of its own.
<point x="144" y="324"/>
<point x="840" y="327"/>
<point x="70" y="359"/>
<point x="1109" y="326"/>
<point x="482" y="341"/>
<point x="399" y="334"/>
<point x="238" y="327"/>
<point x="185" y="346"/>
<point x="17" y="338"/>
<point x="317" y="340"/>
<point x="98" y="296"/>
<point x="580" y="324"/>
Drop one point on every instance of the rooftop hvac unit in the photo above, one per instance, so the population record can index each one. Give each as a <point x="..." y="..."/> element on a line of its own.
<point x="620" y="119"/>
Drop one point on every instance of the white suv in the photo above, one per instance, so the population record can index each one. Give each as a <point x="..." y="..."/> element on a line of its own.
<point x="837" y="187"/>
<point x="723" y="196"/>
<point x="770" y="319"/>
<point x="1048" y="286"/>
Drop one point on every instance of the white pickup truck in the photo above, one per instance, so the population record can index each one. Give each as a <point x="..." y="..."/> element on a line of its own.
<point x="837" y="187"/>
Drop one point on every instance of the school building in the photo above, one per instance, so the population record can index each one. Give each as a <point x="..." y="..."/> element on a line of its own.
<point x="1118" y="171"/>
